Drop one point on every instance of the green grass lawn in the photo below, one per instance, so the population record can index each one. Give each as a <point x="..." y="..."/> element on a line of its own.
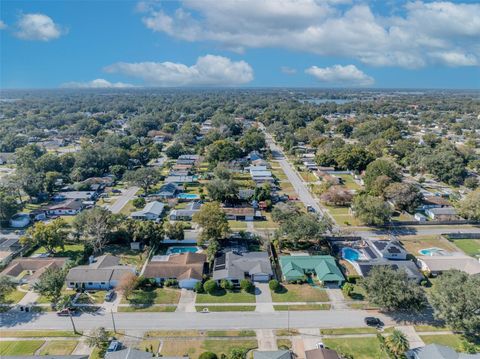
<point x="72" y="251"/>
<point x="237" y="224"/>
<point x="449" y="340"/>
<point x="37" y="333"/>
<point x="359" y="348"/>
<point x="97" y="297"/>
<point x="429" y="328"/>
<point x="59" y="347"/>
<point x="222" y="296"/>
<point x="128" y="208"/>
<point x="231" y="333"/>
<point x="194" y="347"/>
<point x="268" y="223"/>
<point x="283" y="308"/>
<point x="24" y="347"/>
<point x="127" y="256"/>
<point x="230" y="308"/>
<point x="342" y="216"/>
<point x="157" y="296"/>
<point x="349" y="182"/>
<point x="14" y="297"/>
<point x="469" y="246"/>
<point x="346" y="331"/>
<point x="150" y="344"/>
<point x="299" y="293"/>
<point x="151" y="308"/>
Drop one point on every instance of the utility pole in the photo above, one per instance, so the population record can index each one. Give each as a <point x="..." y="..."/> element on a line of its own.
<point x="73" y="324"/>
<point x="113" y="321"/>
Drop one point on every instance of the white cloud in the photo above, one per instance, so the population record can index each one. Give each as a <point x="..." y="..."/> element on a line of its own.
<point x="348" y="75"/>
<point x="2" y="25"/>
<point x="37" y="27"/>
<point x="288" y="70"/>
<point x="426" y="33"/>
<point x="96" y="84"/>
<point x="209" y="70"/>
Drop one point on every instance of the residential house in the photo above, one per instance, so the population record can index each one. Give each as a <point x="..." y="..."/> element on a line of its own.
<point x="389" y="249"/>
<point x="437" y="351"/>
<point x="438" y="264"/>
<point x="185" y="214"/>
<point x="28" y="270"/>
<point x="239" y="213"/>
<point x="180" y="179"/>
<point x="169" y="190"/>
<point x="103" y="272"/>
<point x="321" y="353"/>
<point x="105" y="181"/>
<point x="10" y="247"/>
<point x="68" y="207"/>
<point x="152" y="211"/>
<point x="235" y="267"/>
<point x="187" y="268"/>
<point x="272" y="354"/>
<point x="20" y="220"/>
<point x="431" y="201"/>
<point x="260" y="174"/>
<point x="442" y="214"/>
<point x="81" y="195"/>
<point x="323" y="267"/>
<point x="363" y="268"/>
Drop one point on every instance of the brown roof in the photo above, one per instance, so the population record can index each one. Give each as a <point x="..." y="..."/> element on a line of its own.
<point x="239" y="211"/>
<point x="321" y="354"/>
<point x="439" y="201"/>
<point x="179" y="266"/>
<point x="36" y="265"/>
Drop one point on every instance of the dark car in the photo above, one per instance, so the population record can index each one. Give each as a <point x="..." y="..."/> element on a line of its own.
<point x="373" y="322"/>
<point x="114" y="346"/>
<point x="109" y="295"/>
<point x="116" y="191"/>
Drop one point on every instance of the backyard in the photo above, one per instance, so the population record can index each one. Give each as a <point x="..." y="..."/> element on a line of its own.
<point x="415" y="243"/>
<point x="469" y="246"/>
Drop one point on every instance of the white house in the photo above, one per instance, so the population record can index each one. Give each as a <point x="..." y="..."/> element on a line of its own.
<point x="152" y="211"/>
<point x="68" y="207"/>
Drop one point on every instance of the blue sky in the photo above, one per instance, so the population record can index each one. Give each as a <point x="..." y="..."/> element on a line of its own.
<point x="329" y="43"/>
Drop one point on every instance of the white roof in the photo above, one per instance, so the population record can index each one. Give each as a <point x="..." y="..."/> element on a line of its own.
<point x="455" y="261"/>
<point x="153" y="207"/>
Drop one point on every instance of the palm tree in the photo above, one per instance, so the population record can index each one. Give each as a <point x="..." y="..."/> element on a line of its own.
<point x="397" y="343"/>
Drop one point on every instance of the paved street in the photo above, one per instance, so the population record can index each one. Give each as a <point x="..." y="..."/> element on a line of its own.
<point x="123" y="199"/>
<point x="182" y="321"/>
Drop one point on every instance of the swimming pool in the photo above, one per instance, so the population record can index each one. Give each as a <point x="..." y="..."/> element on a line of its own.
<point x="176" y="250"/>
<point x="434" y="251"/>
<point x="350" y="254"/>
<point x="188" y="196"/>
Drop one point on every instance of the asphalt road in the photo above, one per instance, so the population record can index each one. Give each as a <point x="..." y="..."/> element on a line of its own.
<point x="182" y="321"/>
<point x="123" y="199"/>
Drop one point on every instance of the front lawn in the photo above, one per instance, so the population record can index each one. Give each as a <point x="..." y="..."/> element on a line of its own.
<point x="346" y="331"/>
<point x="14" y="297"/>
<point x="157" y="296"/>
<point x="37" y="333"/>
<point x="151" y="308"/>
<point x="302" y="307"/>
<point x="239" y="225"/>
<point x="226" y="308"/>
<point x="469" y="246"/>
<point x="429" y="328"/>
<point x="59" y="347"/>
<point x="97" y="297"/>
<point x="149" y="345"/>
<point x="359" y="348"/>
<point x="23" y="347"/>
<point x="222" y="296"/>
<point x="450" y="340"/>
<point x="193" y="348"/>
<point x="299" y="293"/>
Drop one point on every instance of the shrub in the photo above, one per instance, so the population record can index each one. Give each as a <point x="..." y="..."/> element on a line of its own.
<point x="347" y="289"/>
<point x="198" y="287"/>
<point x="226" y="284"/>
<point x="210" y="286"/>
<point x="139" y="202"/>
<point x="208" y="355"/>
<point x="171" y="283"/>
<point x="274" y="285"/>
<point x="246" y="285"/>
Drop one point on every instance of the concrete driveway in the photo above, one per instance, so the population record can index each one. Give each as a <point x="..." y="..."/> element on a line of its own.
<point x="263" y="298"/>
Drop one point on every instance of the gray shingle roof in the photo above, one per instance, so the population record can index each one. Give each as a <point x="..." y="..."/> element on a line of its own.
<point x="233" y="265"/>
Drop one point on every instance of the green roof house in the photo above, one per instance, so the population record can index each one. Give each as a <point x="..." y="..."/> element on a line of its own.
<point x="323" y="267"/>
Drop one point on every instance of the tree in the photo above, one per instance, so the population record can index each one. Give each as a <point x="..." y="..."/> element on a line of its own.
<point x="397" y="343"/>
<point x="213" y="221"/>
<point x="471" y="183"/>
<point x="237" y="353"/>
<point x="337" y="196"/>
<point x="174" y="230"/>
<point x="469" y="207"/>
<point x="48" y="235"/>
<point x="381" y="167"/>
<point x="283" y="211"/>
<point x="50" y="284"/>
<point x="302" y="228"/>
<point x="454" y="297"/>
<point x="353" y="157"/>
<point x="139" y="202"/>
<point x="144" y="177"/>
<point x="210" y="286"/>
<point x="253" y="140"/>
<point x="208" y="355"/>
<point x="175" y="150"/>
<point x="221" y="151"/>
<point x="371" y="210"/>
<point x="98" y="338"/>
<point x="447" y="164"/>
<point x="391" y="289"/>
<point x="127" y="284"/>
<point x="405" y="196"/>
<point x="148" y="232"/>
<point x="263" y="192"/>
<point x="6" y="287"/>
<point x="94" y="226"/>
<point x="8" y="206"/>
<point x="222" y="190"/>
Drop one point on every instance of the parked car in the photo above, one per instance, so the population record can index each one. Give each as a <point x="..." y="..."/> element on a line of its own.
<point x="114" y="346"/>
<point x="116" y="191"/>
<point x="319" y="345"/>
<point x="67" y="312"/>
<point x="109" y="295"/>
<point x="373" y="322"/>
<point x="310" y="209"/>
